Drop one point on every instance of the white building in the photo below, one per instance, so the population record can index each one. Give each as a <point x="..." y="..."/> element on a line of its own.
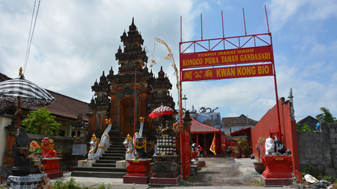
<point x="232" y="124"/>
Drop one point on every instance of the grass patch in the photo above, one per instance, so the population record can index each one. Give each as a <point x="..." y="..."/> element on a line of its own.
<point x="256" y="182"/>
<point x="190" y="179"/>
<point x="71" y="184"/>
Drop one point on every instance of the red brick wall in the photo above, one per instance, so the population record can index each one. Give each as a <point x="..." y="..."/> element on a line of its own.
<point x="269" y="124"/>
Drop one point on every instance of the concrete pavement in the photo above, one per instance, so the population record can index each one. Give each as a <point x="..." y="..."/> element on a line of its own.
<point x="218" y="173"/>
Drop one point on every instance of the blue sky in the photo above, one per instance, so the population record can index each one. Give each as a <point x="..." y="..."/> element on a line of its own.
<point x="75" y="41"/>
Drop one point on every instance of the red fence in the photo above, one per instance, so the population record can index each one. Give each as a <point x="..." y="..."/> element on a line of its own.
<point x="268" y="125"/>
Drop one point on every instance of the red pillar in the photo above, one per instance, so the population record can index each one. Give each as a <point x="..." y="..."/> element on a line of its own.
<point x="197" y="136"/>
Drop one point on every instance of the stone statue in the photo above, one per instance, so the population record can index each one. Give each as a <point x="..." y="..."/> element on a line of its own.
<point x="93" y="145"/>
<point x="139" y="142"/>
<point x="104" y="141"/>
<point x="140" y="146"/>
<point x="48" y="148"/>
<point x="269" y="146"/>
<point x="279" y="147"/>
<point x="129" y="148"/>
<point x="195" y="152"/>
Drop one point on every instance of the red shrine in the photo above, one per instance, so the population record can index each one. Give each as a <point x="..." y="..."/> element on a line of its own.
<point x="115" y="93"/>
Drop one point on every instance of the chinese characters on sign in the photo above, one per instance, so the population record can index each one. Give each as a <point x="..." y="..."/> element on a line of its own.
<point x="226" y="57"/>
<point x="227" y="72"/>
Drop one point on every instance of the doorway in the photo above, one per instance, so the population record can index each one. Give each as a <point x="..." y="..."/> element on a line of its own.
<point x="127" y="116"/>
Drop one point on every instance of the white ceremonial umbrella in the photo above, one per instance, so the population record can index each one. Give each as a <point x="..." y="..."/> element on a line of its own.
<point x="25" y="93"/>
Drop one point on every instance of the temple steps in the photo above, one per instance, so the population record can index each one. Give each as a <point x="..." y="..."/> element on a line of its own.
<point x="99" y="174"/>
<point x="105" y="161"/>
<point x="115" y="153"/>
<point x="116" y="147"/>
<point x="104" y="164"/>
<point x="111" y="157"/>
<point x="105" y="167"/>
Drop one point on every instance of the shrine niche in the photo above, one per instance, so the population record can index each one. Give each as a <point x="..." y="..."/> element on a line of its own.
<point x="80" y="127"/>
<point x="115" y="93"/>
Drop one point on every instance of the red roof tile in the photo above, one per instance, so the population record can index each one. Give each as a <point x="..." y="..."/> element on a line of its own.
<point x="198" y="127"/>
<point x="68" y="107"/>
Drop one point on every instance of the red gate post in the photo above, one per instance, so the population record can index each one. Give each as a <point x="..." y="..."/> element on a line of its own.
<point x="186" y="145"/>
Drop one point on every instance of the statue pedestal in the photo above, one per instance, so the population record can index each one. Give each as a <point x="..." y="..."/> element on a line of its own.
<point x="165" y="181"/>
<point x="80" y="148"/>
<point x="85" y="163"/>
<point x="278" y="170"/>
<point x="122" y="164"/>
<point x="139" y="171"/>
<point x="51" y="166"/>
<point x="29" y="181"/>
<point x="166" y="170"/>
<point x="202" y="164"/>
<point x="22" y="166"/>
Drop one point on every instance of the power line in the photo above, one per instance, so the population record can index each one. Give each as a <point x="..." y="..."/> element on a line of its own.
<point x="31" y="33"/>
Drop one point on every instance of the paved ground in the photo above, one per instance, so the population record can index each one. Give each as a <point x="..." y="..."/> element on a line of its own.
<point x="226" y="172"/>
<point x="218" y="173"/>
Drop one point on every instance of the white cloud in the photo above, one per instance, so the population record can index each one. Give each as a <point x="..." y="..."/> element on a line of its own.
<point x="322" y="9"/>
<point x="74" y="42"/>
<point x="300" y="11"/>
<point x="282" y="10"/>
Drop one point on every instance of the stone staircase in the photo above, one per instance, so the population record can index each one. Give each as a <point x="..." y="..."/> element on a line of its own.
<point x="105" y="167"/>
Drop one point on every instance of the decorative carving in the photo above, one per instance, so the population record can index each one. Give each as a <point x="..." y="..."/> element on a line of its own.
<point x="127" y="91"/>
<point x="21" y="144"/>
<point x="48" y="148"/>
<point x="203" y="109"/>
<point x="165" y="166"/>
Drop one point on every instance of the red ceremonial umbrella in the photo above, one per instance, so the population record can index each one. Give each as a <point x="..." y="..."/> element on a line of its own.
<point x="162" y="110"/>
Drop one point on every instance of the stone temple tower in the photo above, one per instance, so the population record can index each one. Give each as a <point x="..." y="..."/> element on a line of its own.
<point x="115" y="94"/>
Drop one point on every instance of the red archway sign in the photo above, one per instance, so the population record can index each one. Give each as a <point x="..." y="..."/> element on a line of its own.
<point x="238" y="57"/>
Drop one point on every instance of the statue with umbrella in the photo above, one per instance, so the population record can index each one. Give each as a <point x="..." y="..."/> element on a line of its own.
<point x="25" y="93"/>
<point x="165" y="112"/>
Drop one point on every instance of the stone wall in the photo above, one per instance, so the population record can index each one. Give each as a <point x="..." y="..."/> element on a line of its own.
<point x="319" y="148"/>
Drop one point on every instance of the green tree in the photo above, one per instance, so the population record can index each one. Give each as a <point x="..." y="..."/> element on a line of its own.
<point x="326" y="115"/>
<point x="304" y="128"/>
<point x="41" y="122"/>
